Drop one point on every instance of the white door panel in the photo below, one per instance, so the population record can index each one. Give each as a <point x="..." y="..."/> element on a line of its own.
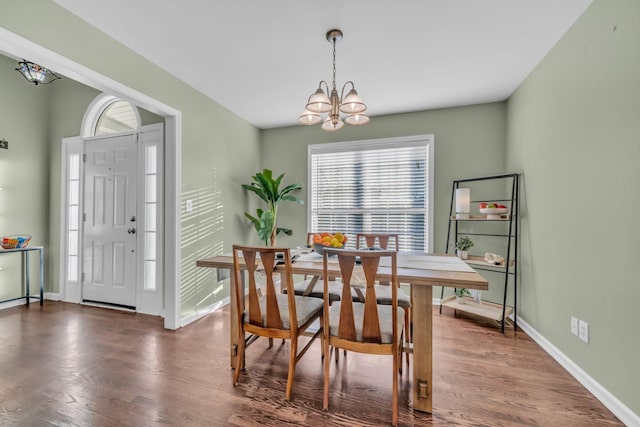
<point x="110" y="223"/>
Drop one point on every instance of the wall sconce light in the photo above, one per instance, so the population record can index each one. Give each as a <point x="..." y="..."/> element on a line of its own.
<point x="36" y="74"/>
<point x="463" y="203"/>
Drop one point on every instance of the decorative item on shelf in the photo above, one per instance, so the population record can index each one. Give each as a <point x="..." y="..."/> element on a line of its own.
<point x="36" y="74"/>
<point x="493" y="210"/>
<point x="494" y="259"/>
<point x="268" y="189"/>
<point x="463" y="203"/>
<point x="461" y="293"/>
<point x="322" y="101"/>
<point x="322" y="240"/>
<point x="463" y="245"/>
<point x="16" y="241"/>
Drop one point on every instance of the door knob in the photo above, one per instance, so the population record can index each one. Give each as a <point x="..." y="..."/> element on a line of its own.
<point x="131" y="231"/>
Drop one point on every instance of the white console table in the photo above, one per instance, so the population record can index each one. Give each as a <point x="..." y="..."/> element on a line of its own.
<point x="25" y="269"/>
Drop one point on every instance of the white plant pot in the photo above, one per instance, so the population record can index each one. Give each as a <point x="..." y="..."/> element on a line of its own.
<point x="462" y="254"/>
<point x="461" y="300"/>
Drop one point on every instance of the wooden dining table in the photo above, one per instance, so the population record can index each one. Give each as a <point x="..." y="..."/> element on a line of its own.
<point x="420" y="270"/>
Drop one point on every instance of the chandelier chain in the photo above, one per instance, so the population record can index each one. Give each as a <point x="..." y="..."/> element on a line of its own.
<point x="334" y="62"/>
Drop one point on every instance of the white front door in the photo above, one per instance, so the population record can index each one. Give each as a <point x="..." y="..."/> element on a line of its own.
<point x="110" y="232"/>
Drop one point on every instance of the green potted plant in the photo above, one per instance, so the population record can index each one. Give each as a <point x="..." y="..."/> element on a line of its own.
<point x="463" y="245"/>
<point x="268" y="189"/>
<point x="461" y="293"/>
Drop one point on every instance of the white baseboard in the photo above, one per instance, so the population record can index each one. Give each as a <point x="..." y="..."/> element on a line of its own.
<point x="618" y="408"/>
<point x="14" y="303"/>
<point x="52" y="296"/>
<point x="184" y="321"/>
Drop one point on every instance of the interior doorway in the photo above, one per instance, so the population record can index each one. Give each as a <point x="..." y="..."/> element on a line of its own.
<point x="14" y="45"/>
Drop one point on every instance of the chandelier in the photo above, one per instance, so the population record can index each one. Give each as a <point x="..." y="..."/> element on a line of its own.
<point x="35" y="73"/>
<point x="325" y="101"/>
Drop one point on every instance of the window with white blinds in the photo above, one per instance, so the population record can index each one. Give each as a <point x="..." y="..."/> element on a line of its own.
<point x="382" y="186"/>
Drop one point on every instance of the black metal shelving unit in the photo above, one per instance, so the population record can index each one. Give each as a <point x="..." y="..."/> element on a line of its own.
<point x="456" y="229"/>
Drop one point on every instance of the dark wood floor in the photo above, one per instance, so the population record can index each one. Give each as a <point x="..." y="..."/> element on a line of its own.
<point x="66" y="364"/>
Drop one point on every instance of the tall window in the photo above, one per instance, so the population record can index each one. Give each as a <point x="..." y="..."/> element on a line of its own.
<point x="382" y="186"/>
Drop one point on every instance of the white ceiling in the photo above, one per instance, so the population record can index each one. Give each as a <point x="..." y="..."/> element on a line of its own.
<point x="262" y="59"/>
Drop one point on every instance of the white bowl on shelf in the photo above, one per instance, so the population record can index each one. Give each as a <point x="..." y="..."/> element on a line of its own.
<point x="494" y="213"/>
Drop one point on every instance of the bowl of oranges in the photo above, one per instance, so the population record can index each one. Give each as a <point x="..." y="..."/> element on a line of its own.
<point x="328" y="240"/>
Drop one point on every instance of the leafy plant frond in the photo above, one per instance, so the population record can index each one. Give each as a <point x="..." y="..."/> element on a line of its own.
<point x="268" y="189"/>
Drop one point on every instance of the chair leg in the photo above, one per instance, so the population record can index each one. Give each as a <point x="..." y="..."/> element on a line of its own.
<point x="407" y="329"/>
<point x="239" y="359"/>
<point x="270" y="342"/>
<point x="394" y="395"/>
<point x="327" y="360"/>
<point x="293" y="352"/>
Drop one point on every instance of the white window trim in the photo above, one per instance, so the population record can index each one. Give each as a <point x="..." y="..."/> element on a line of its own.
<point x="381" y="143"/>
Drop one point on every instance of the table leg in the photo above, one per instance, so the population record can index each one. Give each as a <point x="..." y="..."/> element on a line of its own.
<point x="422" y="385"/>
<point x="41" y="253"/>
<point x="233" y="324"/>
<point x="25" y="266"/>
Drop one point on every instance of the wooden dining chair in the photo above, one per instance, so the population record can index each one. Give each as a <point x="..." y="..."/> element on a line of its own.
<point x="381" y="241"/>
<point x="363" y="327"/>
<point x="274" y="314"/>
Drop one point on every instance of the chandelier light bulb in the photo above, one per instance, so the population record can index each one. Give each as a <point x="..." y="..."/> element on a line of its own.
<point x="309" y="118"/>
<point x="332" y="124"/>
<point x="319" y="102"/>
<point x="357" y="119"/>
<point x="352" y="103"/>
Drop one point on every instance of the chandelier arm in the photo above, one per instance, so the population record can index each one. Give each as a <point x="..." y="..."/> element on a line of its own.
<point x="353" y="86"/>
<point x="326" y="85"/>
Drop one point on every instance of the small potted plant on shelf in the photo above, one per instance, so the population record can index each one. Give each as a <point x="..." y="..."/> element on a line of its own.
<point x="461" y="293"/>
<point x="462" y="247"/>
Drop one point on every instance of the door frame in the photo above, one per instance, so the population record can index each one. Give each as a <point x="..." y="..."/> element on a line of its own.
<point x="17" y="46"/>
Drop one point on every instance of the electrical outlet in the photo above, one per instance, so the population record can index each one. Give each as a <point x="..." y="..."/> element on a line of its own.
<point x="574" y="326"/>
<point x="583" y="331"/>
<point x="188" y="205"/>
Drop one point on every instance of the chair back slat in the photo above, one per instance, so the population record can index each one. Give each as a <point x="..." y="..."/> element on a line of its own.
<point x="274" y="320"/>
<point x="347" y="325"/>
<point x="382" y="239"/>
<point x="255" y="313"/>
<point x="371" y="322"/>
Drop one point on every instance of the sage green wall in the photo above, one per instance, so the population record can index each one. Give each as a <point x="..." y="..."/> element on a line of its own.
<point x="24" y="170"/>
<point x="219" y="149"/>
<point x="573" y="129"/>
<point x="469" y="142"/>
